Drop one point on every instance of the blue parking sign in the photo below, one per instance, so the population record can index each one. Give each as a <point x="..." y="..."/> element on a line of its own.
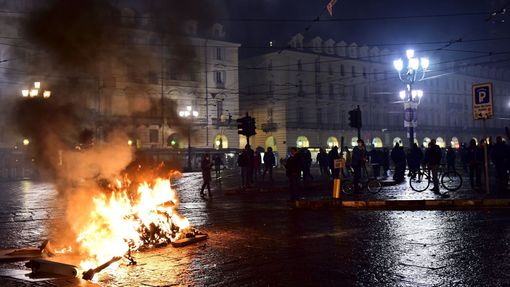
<point x="482" y="101"/>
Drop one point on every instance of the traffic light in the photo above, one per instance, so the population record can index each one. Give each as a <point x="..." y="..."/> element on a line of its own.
<point x="355" y="118"/>
<point x="246" y="126"/>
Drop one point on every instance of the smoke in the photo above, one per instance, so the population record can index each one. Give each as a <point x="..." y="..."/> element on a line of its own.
<point x="93" y="42"/>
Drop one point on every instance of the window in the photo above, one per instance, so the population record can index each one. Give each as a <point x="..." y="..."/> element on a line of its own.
<point x="318" y="89"/>
<point x="319" y="116"/>
<point x="219" y="77"/>
<point x="364" y="73"/>
<point x="331" y="91"/>
<point x="153" y="136"/>
<point x="300" y="88"/>
<point x="353" y="92"/>
<point x="219" y="53"/>
<point x="330" y="69"/>
<point x="270" y="88"/>
<point x="270" y="115"/>
<point x="342" y="71"/>
<point x="219" y="109"/>
<point x="365" y="93"/>
<point x="299" y="66"/>
<point x="317" y="66"/>
<point x="353" y="71"/>
<point x="270" y="65"/>
<point x="300" y="114"/>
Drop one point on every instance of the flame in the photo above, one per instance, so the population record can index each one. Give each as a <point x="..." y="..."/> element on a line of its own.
<point x="122" y="222"/>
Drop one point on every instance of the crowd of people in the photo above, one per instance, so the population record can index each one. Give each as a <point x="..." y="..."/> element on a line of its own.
<point x="298" y="163"/>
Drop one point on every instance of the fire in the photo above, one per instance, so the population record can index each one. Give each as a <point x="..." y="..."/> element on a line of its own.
<point x="125" y="221"/>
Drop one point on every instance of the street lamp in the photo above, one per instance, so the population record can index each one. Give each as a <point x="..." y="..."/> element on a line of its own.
<point x="34" y="92"/>
<point x="189" y="114"/>
<point x="411" y="70"/>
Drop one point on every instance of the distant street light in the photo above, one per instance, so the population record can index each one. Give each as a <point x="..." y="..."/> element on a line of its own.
<point x="189" y="114"/>
<point x="26" y="142"/>
<point x="34" y="92"/>
<point x="411" y="70"/>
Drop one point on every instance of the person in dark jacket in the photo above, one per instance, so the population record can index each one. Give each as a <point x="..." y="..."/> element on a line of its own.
<point x="474" y="159"/>
<point x="414" y="159"/>
<point x="269" y="162"/>
<point x="375" y="161"/>
<point x="332" y="156"/>
<point x="217" y="165"/>
<point x="322" y="160"/>
<point x="245" y="161"/>
<point x="385" y="161"/>
<point x="433" y="160"/>
<point x="293" y="172"/>
<point x="399" y="159"/>
<point x="257" y="163"/>
<point x="500" y="156"/>
<point x="206" y="167"/>
<point x="450" y="159"/>
<point x="306" y="163"/>
<point x="358" y="162"/>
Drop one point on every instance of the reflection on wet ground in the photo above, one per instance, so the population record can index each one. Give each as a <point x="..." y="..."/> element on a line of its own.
<point x="256" y="239"/>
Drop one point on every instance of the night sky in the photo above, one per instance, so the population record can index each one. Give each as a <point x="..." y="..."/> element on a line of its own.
<point x="367" y="29"/>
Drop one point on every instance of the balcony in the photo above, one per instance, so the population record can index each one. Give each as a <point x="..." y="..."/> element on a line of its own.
<point x="269" y="127"/>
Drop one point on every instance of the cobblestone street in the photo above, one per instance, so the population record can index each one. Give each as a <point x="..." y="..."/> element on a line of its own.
<point x="256" y="239"/>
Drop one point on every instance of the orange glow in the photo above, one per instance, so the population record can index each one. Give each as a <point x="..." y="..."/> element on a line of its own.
<point x="125" y="221"/>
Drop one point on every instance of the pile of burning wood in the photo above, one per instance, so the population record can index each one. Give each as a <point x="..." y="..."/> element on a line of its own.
<point x="122" y="222"/>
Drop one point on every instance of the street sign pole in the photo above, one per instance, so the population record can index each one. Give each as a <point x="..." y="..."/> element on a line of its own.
<point x="482" y="110"/>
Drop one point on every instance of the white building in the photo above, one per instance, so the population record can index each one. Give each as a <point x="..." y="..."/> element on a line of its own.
<point x="301" y="96"/>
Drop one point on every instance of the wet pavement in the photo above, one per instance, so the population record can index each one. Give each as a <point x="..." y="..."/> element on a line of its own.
<point x="257" y="239"/>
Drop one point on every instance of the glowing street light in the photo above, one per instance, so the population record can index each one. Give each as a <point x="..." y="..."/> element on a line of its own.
<point x="130" y="142"/>
<point x="25" y="93"/>
<point x="411" y="69"/>
<point x="46" y="94"/>
<point x="189" y="114"/>
<point x="34" y="93"/>
<point x="26" y="142"/>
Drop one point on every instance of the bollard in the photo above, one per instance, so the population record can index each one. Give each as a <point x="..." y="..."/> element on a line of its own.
<point x="336" y="188"/>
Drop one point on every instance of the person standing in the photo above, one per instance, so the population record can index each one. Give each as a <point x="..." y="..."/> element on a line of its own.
<point x="414" y="159"/>
<point x="322" y="160"/>
<point x="399" y="159"/>
<point x="332" y="156"/>
<point x="269" y="162"/>
<point x="474" y="157"/>
<point x="375" y="161"/>
<point x="306" y="158"/>
<point x="450" y="159"/>
<point x="433" y="160"/>
<point x="500" y="156"/>
<point x="206" y="167"/>
<point x="245" y="161"/>
<point x="358" y="162"/>
<point x="217" y="165"/>
<point x="293" y="171"/>
<point x="257" y="162"/>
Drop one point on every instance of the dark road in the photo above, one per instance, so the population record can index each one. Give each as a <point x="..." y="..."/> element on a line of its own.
<point x="257" y="240"/>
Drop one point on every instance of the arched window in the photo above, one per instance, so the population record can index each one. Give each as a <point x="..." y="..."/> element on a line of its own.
<point x="440" y="142"/>
<point x="354" y="141"/>
<point x="397" y="140"/>
<point x="332" y="141"/>
<point x="271" y="142"/>
<point x="426" y="141"/>
<point x="220" y="141"/>
<point x="455" y="142"/>
<point x="302" y="141"/>
<point x="377" y="142"/>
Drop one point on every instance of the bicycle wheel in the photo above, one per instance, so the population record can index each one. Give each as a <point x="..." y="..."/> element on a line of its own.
<point x="451" y="180"/>
<point x="348" y="187"/>
<point x="374" y="185"/>
<point x="419" y="182"/>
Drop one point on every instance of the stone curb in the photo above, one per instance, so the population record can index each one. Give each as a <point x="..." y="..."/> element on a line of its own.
<point x="404" y="204"/>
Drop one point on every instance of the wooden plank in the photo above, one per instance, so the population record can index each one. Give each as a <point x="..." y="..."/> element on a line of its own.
<point x="187" y="241"/>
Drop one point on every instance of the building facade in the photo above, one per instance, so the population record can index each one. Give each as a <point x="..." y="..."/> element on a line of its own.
<point x="145" y="103"/>
<point x="301" y="96"/>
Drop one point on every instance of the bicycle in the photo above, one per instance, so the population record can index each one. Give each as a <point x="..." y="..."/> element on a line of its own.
<point x="370" y="184"/>
<point x="450" y="180"/>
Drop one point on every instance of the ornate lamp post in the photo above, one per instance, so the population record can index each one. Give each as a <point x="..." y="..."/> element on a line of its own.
<point x="189" y="114"/>
<point x="411" y="70"/>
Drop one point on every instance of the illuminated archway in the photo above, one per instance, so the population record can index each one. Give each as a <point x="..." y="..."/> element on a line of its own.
<point x="397" y="140"/>
<point x="455" y="142"/>
<point x="440" y="142"/>
<point x="332" y="141"/>
<point x="354" y="141"/>
<point x="426" y="141"/>
<point x="302" y="141"/>
<point x="377" y="142"/>
<point x="271" y="142"/>
<point x="220" y="141"/>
